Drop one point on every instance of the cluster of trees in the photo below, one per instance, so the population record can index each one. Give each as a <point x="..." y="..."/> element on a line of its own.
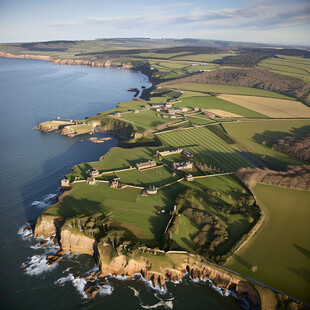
<point x="249" y="59"/>
<point x="95" y="225"/>
<point x="297" y="177"/>
<point x="257" y="78"/>
<point x="298" y="147"/>
<point x="122" y="128"/>
<point x="219" y="132"/>
<point x="213" y="230"/>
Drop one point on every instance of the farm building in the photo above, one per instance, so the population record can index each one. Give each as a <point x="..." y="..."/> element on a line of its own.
<point x="189" y="178"/>
<point x="183" y="165"/>
<point x="152" y="190"/>
<point x="93" y="172"/>
<point x="146" y="165"/>
<point x="184" y="109"/>
<point x="116" y="184"/>
<point x="196" y="109"/>
<point x="168" y="106"/>
<point x="136" y="111"/>
<point x="91" y="181"/>
<point x="187" y="154"/>
<point x="157" y="105"/>
<point x="117" y="114"/>
<point x="171" y="111"/>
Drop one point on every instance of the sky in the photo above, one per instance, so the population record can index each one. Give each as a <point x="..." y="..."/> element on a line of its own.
<point x="267" y="21"/>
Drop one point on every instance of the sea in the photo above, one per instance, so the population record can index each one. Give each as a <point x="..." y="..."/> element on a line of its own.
<point x="32" y="165"/>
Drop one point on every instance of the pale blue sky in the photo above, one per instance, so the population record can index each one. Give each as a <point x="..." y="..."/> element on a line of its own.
<point x="271" y="21"/>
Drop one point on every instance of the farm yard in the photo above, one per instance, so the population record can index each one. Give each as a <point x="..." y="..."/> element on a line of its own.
<point x="275" y="108"/>
<point x="206" y="147"/>
<point x="156" y="176"/>
<point x="280" y="248"/>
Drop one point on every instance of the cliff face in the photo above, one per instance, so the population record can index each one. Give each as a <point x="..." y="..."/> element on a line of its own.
<point x="47" y="225"/>
<point x="25" y="56"/>
<point x="75" y="242"/>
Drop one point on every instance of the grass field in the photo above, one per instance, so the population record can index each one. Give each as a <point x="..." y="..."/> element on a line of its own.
<point x="252" y="135"/>
<point x="117" y="158"/>
<point x="145" y="120"/>
<point x="225" y="89"/>
<point x="157" y="177"/>
<point x="201" y="57"/>
<point x="139" y="215"/>
<point x="272" y="107"/>
<point x="212" y="102"/>
<point x="281" y="247"/>
<point x="206" y="147"/>
<point x="288" y="65"/>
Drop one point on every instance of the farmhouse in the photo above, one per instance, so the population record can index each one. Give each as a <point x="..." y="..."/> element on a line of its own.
<point x="184" y="109"/>
<point x="117" y="114"/>
<point x="189" y="178"/>
<point x="146" y="165"/>
<point x="183" y="165"/>
<point x="136" y="111"/>
<point x="157" y="105"/>
<point x="93" y="172"/>
<point x="91" y="181"/>
<point x="168" y="106"/>
<point x="116" y="184"/>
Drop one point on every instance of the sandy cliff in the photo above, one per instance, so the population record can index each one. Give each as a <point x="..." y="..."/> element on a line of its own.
<point x="47" y="225"/>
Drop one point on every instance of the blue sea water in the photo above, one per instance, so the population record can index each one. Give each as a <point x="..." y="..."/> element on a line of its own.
<point x="32" y="164"/>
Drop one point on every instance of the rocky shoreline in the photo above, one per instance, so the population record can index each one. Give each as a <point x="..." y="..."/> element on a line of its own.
<point x="50" y="227"/>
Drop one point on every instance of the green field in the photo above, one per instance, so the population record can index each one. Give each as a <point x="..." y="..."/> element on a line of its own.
<point x="294" y="66"/>
<point x="139" y="215"/>
<point x="212" y="102"/>
<point x="201" y="57"/>
<point x="157" y="177"/>
<point x="145" y="120"/>
<point x="225" y="89"/>
<point x="281" y="247"/>
<point x="206" y="147"/>
<point x="252" y="135"/>
<point x="117" y="158"/>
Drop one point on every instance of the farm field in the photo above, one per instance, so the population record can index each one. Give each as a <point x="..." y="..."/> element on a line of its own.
<point x="139" y="216"/>
<point x="157" y="177"/>
<point x="270" y="106"/>
<point x="201" y="57"/>
<point x="280" y="249"/>
<point x="213" y="102"/>
<point x="144" y="120"/>
<point x="199" y="119"/>
<point x="288" y="65"/>
<point x="226" y="89"/>
<point x="252" y="134"/>
<point x="206" y="147"/>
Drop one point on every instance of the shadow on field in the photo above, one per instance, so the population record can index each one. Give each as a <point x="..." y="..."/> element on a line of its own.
<point x="302" y="250"/>
<point x="302" y="273"/>
<point x="272" y="136"/>
<point x="242" y="261"/>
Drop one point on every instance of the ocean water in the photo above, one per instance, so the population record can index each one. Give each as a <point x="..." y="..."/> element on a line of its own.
<point x="31" y="167"/>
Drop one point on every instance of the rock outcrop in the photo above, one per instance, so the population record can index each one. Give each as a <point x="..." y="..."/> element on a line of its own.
<point x="47" y="226"/>
<point x="77" y="242"/>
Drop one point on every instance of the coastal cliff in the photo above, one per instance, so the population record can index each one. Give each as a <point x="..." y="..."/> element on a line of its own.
<point x="47" y="226"/>
<point x="93" y="63"/>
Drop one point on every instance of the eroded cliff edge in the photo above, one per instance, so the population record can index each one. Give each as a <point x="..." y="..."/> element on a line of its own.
<point x="154" y="265"/>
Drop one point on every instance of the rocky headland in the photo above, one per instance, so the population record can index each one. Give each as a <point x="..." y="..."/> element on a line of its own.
<point x="173" y="265"/>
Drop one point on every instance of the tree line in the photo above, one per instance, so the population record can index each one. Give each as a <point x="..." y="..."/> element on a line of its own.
<point x="295" y="177"/>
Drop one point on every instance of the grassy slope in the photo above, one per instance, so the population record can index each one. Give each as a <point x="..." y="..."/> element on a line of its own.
<point x="225" y="89"/>
<point x="212" y="102"/>
<point x="206" y="147"/>
<point x="140" y="215"/>
<point x="280" y="248"/>
<point x="288" y="65"/>
<point x="252" y="134"/>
